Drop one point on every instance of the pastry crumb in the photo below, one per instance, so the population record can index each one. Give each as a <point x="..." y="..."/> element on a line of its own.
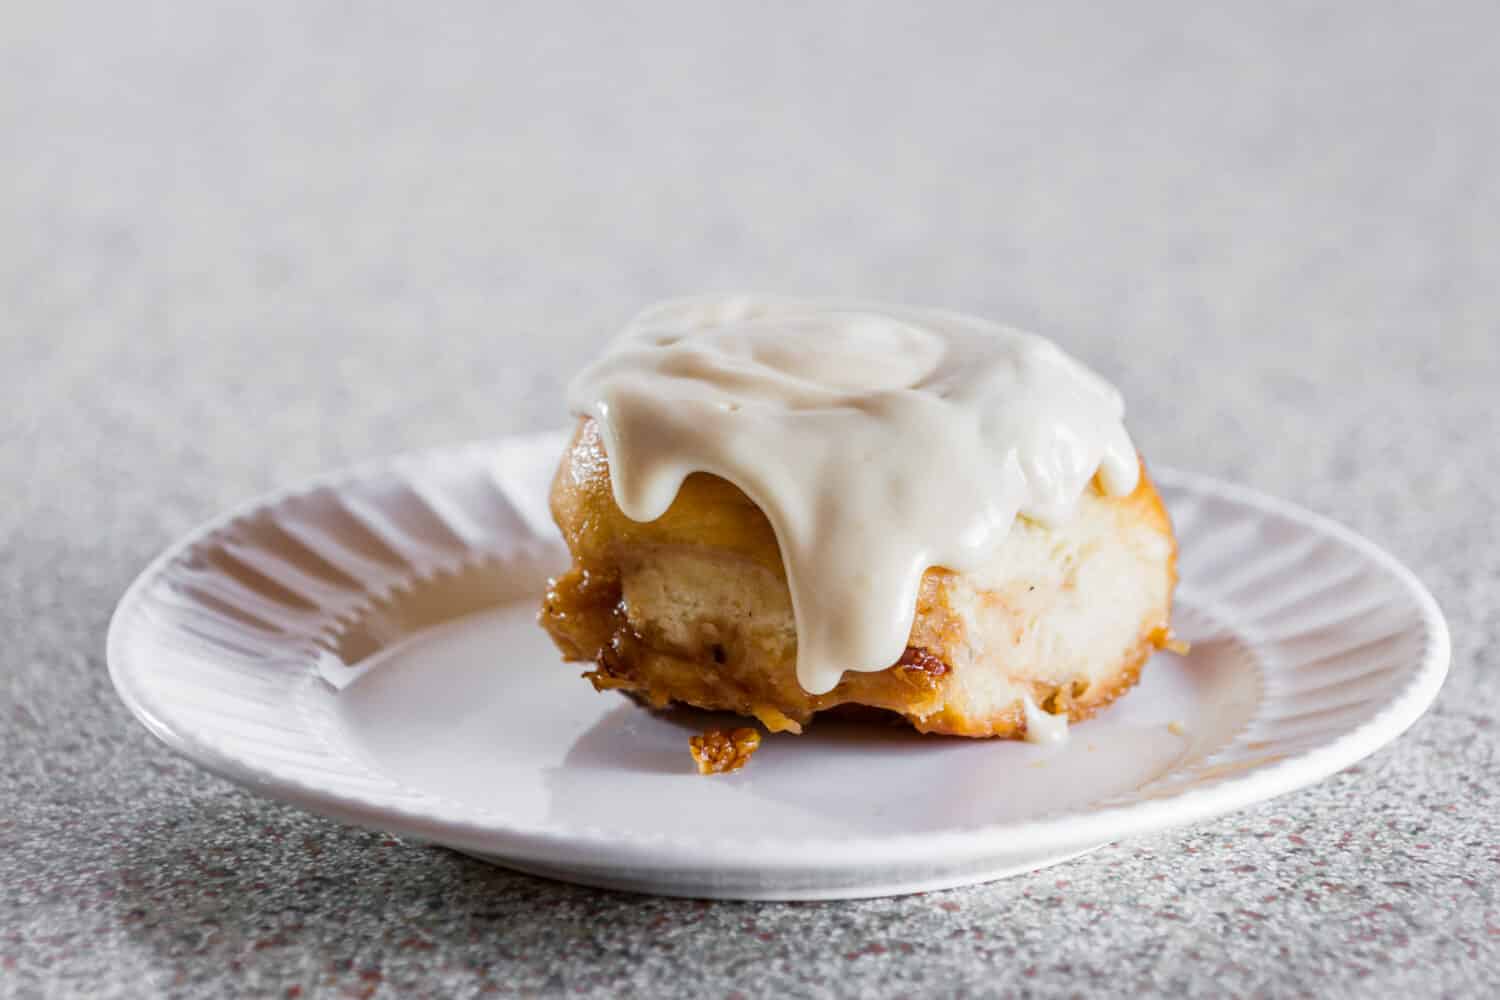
<point x="1175" y="645"/>
<point x="717" y="751"/>
<point x="1176" y="728"/>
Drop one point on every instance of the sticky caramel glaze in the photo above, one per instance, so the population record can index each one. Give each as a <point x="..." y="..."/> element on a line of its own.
<point x="586" y="615"/>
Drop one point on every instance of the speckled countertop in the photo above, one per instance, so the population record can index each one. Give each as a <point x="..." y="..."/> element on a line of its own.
<point x="240" y="244"/>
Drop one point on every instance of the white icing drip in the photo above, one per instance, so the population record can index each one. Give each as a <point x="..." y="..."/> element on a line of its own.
<point x="1043" y="727"/>
<point x="880" y="441"/>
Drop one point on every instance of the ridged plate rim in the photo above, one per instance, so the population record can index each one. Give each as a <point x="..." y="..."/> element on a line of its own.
<point x="453" y="825"/>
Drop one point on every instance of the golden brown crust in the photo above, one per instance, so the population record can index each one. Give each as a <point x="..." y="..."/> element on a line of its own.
<point x="723" y="665"/>
<point x="708" y="512"/>
<point x="586" y="617"/>
<point x="719" y="751"/>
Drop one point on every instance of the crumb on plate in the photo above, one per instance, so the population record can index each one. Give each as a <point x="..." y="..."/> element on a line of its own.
<point x="717" y="751"/>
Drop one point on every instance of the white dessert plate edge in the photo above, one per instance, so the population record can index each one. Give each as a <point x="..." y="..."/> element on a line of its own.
<point x="758" y="866"/>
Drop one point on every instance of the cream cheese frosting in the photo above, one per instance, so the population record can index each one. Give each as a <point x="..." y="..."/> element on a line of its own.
<point x="879" y="441"/>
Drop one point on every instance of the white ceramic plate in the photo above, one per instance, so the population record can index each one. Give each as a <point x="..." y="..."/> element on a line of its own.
<point x="365" y="647"/>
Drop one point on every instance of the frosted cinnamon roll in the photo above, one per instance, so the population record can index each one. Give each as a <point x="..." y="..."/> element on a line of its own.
<point x="784" y="507"/>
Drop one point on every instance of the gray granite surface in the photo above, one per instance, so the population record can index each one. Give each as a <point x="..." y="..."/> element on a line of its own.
<point x="242" y="243"/>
